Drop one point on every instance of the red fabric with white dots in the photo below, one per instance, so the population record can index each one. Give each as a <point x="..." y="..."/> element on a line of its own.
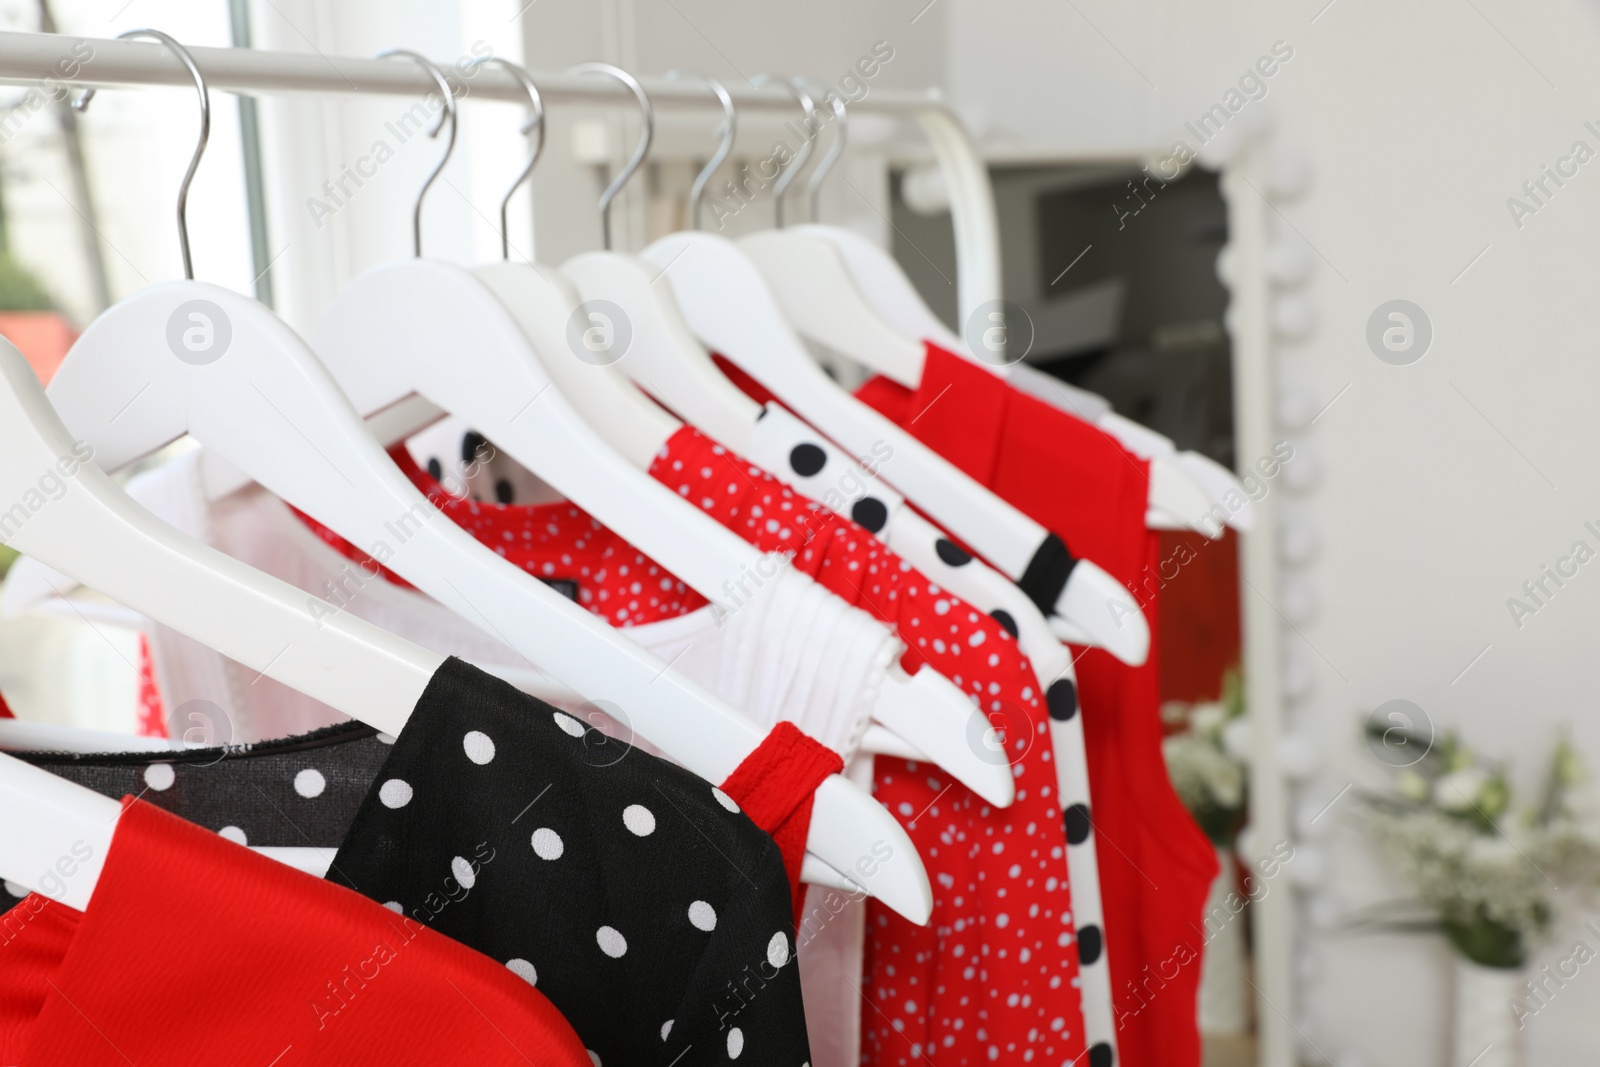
<point x="559" y="543"/>
<point x="991" y="978"/>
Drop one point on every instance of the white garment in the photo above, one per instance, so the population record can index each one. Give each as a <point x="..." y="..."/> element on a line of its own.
<point x="791" y="650"/>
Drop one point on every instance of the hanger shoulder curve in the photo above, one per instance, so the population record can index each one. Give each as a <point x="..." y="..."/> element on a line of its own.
<point x="664" y="358"/>
<point x="436" y="329"/>
<point x="729" y="306"/>
<point x="544" y="303"/>
<point x="887" y="288"/>
<point x="269" y="408"/>
<point x="824" y="302"/>
<point x="88" y="527"/>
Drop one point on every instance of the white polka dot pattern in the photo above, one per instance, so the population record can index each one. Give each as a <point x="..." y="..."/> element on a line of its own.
<point x="611" y="942"/>
<point x="547" y="844"/>
<point x="702" y="916"/>
<point x="559" y="543"/>
<point x="778" y="950"/>
<point x="478" y="746"/>
<point x="955" y="833"/>
<point x="639" y="820"/>
<point x="395" y="793"/>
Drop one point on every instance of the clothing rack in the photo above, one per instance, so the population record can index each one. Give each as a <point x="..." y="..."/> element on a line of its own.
<point x="32" y="58"/>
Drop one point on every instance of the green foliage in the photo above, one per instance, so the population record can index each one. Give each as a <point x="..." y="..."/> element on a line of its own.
<point x="19" y="289"/>
<point x="1209" y="776"/>
<point x="1485" y="877"/>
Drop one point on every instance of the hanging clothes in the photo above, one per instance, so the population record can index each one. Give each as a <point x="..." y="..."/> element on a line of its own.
<point x="194" y="951"/>
<point x="1156" y="865"/>
<point x="767" y="658"/>
<point x="993" y="975"/>
<point x="936" y="967"/>
<point x="784" y="443"/>
<point x="1040" y="955"/>
<point x="640" y="900"/>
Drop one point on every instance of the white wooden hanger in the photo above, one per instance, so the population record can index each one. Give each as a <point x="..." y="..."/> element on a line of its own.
<point x="672" y="366"/>
<point x="729" y="307"/>
<point x="932" y="717"/>
<point x="638" y="428"/>
<point x="191" y="358"/>
<point x="663" y="349"/>
<point x="827" y="305"/>
<point x="1175" y="501"/>
<point x="426" y="328"/>
<point x="67" y="513"/>
<point x="812" y="283"/>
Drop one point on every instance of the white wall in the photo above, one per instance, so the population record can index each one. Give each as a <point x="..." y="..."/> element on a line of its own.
<point x="1444" y="485"/>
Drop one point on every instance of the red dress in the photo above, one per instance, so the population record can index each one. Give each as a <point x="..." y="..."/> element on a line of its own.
<point x="1156" y="867"/>
<point x="195" y="951"/>
<point x="992" y="977"/>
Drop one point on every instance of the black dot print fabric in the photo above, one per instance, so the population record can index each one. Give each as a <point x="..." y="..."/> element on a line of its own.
<point x="296" y="792"/>
<point x="634" y="895"/>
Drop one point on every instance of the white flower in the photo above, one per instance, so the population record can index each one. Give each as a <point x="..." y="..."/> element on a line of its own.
<point x="1236" y="739"/>
<point x="1202" y="774"/>
<point x="1458" y="790"/>
<point x="1207" y="718"/>
<point x="1412" y="785"/>
<point x="1489" y="852"/>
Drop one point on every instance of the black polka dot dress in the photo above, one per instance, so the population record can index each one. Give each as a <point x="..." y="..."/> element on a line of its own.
<point x="634" y="895"/>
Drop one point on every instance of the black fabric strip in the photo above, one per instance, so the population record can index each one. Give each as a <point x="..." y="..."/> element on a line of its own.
<point x="337" y="734"/>
<point x="1047" y="573"/>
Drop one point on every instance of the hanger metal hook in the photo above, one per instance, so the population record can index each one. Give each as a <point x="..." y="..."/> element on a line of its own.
<point x="728" y="129"/>
<point x="646" y="135"/>
<point x="449" y="113"/>
<point x="534" y="121"/>
<point x="814" y="185"/>
<point x="797" y="164"/>
<point x="82" y="103"/>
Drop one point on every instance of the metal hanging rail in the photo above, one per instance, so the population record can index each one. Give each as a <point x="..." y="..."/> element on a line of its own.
<point x="35" y="58"/>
